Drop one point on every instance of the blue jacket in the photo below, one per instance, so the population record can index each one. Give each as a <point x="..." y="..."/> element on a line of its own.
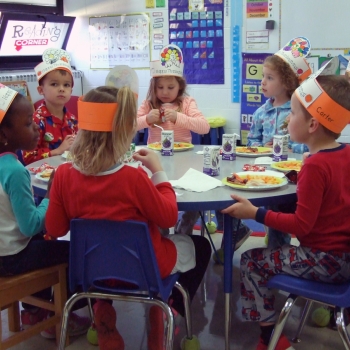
<point x="267" y="122"/>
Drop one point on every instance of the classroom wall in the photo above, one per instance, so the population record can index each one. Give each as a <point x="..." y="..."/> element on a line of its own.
<point x="212" y="100"/>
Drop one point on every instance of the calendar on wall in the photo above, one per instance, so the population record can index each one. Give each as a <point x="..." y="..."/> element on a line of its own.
<point x="120" y="39"/>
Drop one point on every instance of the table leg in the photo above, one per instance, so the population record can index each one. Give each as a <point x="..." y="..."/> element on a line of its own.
<point x="228" y="254"/>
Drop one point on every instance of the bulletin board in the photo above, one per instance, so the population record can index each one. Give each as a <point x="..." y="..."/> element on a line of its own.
<point x="325" y="23"/>
<point x="120" y="39"/>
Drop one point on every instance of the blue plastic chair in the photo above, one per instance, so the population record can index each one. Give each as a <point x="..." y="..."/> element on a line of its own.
<point x="196" y="138"/>
<point x="336" y="295"/>
<point x="103" y="249"/>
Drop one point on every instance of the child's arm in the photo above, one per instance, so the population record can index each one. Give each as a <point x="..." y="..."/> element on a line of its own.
<point x="255" y="136"/>
<point x="192" y="118"/>
<point x="297" y="147"/>
<point x="17" y="185"/>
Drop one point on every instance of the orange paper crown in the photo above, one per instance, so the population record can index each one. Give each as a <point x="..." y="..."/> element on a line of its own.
<point x="318" y="103"/>
<point x="7" y="95"/>
<point x="95" y="116"/>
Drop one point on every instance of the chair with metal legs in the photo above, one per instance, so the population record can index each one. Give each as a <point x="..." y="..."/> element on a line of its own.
<point x="121" y="251"/>
<point x="335" y="295"/>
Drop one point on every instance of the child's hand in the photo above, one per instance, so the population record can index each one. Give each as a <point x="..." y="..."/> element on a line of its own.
<point x="170" y="115"/>
<point x="243" y="209"/>
<point x="149" y="159"/>
<point x="64" y="146"/>
<point x="153" y="117"/>
<point x="49" y="184"/>
<point x="268" y="144"/>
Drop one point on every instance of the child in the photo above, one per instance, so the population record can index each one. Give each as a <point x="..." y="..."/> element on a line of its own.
<point x="167" y="103"/>
<point x="281" y="75"/>
<point x="107" y="123"/>
<point x="57" y="126"/>
<point x="22" y="247"/>
<point x="320" y="110"/>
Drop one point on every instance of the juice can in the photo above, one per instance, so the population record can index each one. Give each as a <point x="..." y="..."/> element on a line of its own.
<point x="280" y="148"/>
<point x="167" y="141"/>
<point x="211" y="160"/>
<point x="228" y="147"/>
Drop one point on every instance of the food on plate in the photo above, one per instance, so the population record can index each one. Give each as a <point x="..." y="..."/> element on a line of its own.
<point x="249" y="167"/>
<point x="41" y="168"/>
<point x="253" y="180"/>
<point x="177" y="145"/>
<point x="46" y="173"/>
<point x="252" y="150"/>
<point x="290" y="165"/>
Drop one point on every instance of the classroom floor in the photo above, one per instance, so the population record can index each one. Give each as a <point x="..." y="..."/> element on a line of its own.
<point x="208" y="319"/>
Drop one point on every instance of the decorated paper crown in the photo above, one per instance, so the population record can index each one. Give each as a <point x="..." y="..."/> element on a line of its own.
<point x="7" y="95"/>
<point x="347" y="72"/>
<point x="53" y="59"/>
<point x="170" y="63"/>
<point x="99" y="116"/>
<point x="294" y="53"/>
<point x="318" y="103"/>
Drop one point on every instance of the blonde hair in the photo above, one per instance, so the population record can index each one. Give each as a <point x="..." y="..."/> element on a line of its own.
<point x="96" y="151"/>
<point x="289" y="79"/>
<point x="152" y="91"/>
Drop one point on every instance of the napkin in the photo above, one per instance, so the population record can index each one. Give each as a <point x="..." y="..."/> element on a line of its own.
<point x="196" y="181"/>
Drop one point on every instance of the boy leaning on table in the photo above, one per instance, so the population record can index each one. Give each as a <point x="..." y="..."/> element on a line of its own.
<point x="320" y="110"/>
<point x="57" y="125"/>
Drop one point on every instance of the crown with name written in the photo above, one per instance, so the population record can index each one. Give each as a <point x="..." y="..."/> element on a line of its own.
<point x="7" y="96"/>
<point x="295" y="53"/>
<point x="170" y="62"/>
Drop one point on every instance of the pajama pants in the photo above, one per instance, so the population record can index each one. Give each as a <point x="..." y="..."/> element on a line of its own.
<point x="258" y="265"/>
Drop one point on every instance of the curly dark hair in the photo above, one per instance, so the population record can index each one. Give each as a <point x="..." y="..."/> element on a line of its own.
<point x="289" y="79"/>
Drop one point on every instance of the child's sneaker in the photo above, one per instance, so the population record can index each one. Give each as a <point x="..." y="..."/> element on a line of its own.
<point x="77" y="325"/>
<point x="282" y="344"/>
<point x="32" y="317"/>
<point x="105" y="322"/>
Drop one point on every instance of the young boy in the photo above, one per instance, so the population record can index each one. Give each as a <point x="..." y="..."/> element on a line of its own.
<point x="320" y="110"/>
<point x="57" y="125"/>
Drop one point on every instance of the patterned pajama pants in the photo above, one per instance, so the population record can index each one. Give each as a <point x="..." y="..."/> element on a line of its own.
<point x="258" y="265"/>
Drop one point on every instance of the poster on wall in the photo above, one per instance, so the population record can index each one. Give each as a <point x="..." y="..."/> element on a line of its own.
<point x="122" y="39"/>
<point x="199" y="32"/>
<point x="252" y="96"/>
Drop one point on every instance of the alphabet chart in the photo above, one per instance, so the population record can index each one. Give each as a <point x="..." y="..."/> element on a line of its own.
<point x="122" y="39"/>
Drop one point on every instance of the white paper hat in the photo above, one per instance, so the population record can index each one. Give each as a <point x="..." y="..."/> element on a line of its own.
<point x="121" y="76"/>
<point x="295" y="53"/>
<point x="53" y="59"/>
<point x="7" y="95"/>
<point x="170" y="62"/>
<point x="347" y="72"/>
<point x="318" y="103"/>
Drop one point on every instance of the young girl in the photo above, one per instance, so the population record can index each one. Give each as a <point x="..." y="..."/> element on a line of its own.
<point x="107" y="124"/>
<point x="22" y="247"/>
<point x="57" y="125"/>
<point x="167" y="103"/>
<point x="323" y="204"/>
<point x="282" y="73"/>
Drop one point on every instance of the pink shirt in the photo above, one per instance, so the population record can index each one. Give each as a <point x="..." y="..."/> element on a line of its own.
<point x="189" y="119"/>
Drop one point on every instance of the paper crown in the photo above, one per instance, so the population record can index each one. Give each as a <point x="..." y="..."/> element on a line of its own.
<point x="294" y="53"/>
<point x="7" y="95"/>
<point x="99" y="116"/>
<point x="170" y="63"/>
<point x="53" y="59"/>
<point x="318" y="103"/>
<point x="347" y="71"/>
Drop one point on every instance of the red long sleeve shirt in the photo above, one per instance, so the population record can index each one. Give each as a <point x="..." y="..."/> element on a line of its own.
<point x="321" y="220"/>
<point x="123" y="193"/>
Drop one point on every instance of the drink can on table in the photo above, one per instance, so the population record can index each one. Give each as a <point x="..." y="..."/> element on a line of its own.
<point x="211" y="160"/>
<point x="280" y="148"/>
<point x="167" y="141"/>
<point x="228" y="147"/>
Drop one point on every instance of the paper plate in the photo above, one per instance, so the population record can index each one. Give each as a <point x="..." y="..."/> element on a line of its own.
<point x="178" y="146"/>
<point x="287" y="165"/>
<point x="44" y="179"/>
<point x="262" y="151"/>
<point x="278" y="182"/>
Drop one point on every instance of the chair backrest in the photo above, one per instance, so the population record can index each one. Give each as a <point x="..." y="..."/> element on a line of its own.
<point x="196" y="138"/>
<point x="104" y="250"/>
